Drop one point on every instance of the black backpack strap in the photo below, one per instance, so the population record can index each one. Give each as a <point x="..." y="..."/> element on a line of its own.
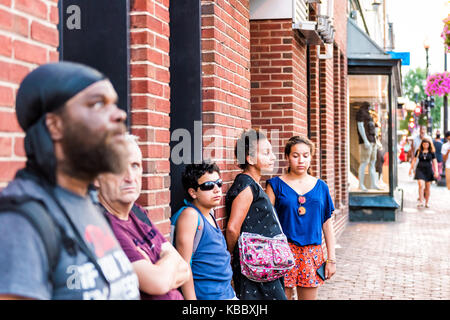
<point x="140" y="214"/>
<point x="36" y="213"/>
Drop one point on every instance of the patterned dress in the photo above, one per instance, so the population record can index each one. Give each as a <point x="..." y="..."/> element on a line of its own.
<point x="260" y="220"/>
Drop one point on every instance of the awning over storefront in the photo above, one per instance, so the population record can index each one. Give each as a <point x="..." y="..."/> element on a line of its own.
<point x="362" y="51"/>
<point x="361" y="46"/>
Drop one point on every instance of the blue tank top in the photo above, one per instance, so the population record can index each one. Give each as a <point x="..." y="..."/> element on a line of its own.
<point x="211" y="268"/>
<point x="305" y="229"/>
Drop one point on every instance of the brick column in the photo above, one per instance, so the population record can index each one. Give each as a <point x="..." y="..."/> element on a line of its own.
<point x="344" y="126"/>
<point x="338" y="145"/>
<point x="150" y="103"/>
<point x="278" y="81"/>
<point x="327" y="123"/>
<point x="315" y="123"/>
<point x="226" y="83"/>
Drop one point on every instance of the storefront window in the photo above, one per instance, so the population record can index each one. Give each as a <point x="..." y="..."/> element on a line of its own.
<point x="369" y="140"/>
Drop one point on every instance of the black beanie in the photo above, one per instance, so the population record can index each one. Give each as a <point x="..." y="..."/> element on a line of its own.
<point x="44" y="90"/>
<point x="49" y="87"/>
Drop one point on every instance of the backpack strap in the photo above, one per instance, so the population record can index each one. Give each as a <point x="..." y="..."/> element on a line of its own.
<point x="200" y="225"/>
<point x="36" y="213"/>
<point x="199" y="231"/>
<point x="50" y="230"/>
<point x="141" y="215"/>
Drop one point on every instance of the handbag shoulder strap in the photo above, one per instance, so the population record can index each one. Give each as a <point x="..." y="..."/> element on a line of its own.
<point x="273" y="209"/>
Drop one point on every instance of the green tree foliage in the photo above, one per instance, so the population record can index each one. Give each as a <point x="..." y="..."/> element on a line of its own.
<point x="413" y="78"/>
<point x="403" y="123"/>
<point x="418" y="77"/>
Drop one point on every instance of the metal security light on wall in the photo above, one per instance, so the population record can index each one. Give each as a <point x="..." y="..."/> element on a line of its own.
<point x="301" y="22"/>
<point x="376" y="4"/>
<point x="315" y="32"/>
<point x="326" y="28"/>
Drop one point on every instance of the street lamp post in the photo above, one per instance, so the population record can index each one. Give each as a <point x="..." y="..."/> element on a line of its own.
<point x="426" y="45"/>
<point x="445" y="96"/>
<point x="415" y="114"/>
<point x="416" y="91"/>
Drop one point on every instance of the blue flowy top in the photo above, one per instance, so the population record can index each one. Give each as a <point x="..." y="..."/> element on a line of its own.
<point x="305" y="229"/>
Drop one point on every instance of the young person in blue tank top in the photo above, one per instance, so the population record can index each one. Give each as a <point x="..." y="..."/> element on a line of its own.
<point x="210" y="263"/>
<point x="304" y="207"/>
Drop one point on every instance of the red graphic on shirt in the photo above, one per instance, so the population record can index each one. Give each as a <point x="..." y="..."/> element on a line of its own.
<point x="103" y="242"/>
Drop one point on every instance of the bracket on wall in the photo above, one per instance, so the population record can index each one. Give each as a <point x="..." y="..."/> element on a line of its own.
<point x="329" y="51"/>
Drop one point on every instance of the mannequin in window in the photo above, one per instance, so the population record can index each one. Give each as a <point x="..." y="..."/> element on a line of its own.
<point x="367" y="146"/>
<point x="380" y="152"/>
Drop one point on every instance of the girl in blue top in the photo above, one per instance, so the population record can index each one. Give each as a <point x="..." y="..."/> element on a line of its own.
<point x="304" y="207"/>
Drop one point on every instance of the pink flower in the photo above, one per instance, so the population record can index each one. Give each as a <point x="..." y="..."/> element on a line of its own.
<point x="438" y="84"/>
<point x="445" y="35"/>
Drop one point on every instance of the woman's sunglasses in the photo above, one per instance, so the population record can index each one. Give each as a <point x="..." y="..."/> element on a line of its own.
<point x="209" y="185"/>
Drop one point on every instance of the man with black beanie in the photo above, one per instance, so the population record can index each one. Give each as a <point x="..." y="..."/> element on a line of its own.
<point x="55" y="243"/>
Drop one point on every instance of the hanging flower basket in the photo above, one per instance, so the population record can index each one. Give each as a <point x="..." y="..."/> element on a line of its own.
<point x="446" y="33"/>
<point x="438" y="84"/>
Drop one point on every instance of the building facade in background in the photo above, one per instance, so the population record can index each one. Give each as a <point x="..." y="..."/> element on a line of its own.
<point x="258" y="68"/>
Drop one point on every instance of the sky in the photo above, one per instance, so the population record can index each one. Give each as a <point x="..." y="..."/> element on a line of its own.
<point x="414" y="21"/>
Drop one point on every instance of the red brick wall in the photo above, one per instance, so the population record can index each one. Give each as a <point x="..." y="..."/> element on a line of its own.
<point x="337" y="124"/>
<point x="254" y="74"/>
<point x="279" y="98"/>
<point x="315" y="109"/>
<point x="327" y="116"/>
<point x="341" y="122"/>
<point x="150" y="105"/>
<point x="341" y="149"/>
<point x="226" y="83"/>
<point x="278" y="81"/>
<point x="29" y="37"/>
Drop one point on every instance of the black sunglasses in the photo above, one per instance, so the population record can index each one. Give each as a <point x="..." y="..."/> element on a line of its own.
<point x="209" y="185"/>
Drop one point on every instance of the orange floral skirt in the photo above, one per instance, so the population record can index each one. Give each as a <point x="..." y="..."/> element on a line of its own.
<point x="307" y="260"/>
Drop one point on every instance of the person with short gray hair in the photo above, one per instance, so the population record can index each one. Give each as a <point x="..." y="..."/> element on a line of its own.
<point x="159" y="267"/>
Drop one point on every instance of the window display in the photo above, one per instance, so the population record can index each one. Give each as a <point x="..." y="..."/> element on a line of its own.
<point x="369" y="152"/>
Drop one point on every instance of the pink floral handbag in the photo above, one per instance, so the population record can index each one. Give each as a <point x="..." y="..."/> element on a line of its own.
<point x="265" y="259"/>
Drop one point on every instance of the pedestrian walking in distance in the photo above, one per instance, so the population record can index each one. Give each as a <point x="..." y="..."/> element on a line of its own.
<point x="426" y="170"/>
<point x="446" y="157"/>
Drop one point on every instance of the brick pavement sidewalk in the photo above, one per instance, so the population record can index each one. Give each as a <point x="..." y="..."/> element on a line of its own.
<point x="408" y="259"/>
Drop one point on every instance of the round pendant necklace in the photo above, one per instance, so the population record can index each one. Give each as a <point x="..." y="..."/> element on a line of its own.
<point x="301" y="209"/>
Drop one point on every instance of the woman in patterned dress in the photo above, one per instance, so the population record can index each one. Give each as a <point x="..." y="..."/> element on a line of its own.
<point x="249" y="210"/>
